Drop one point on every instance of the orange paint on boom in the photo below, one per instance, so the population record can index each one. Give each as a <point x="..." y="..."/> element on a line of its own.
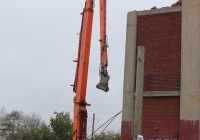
<point x="80" y="82"/>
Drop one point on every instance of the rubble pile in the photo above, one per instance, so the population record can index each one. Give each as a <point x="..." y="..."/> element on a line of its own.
<point x="178" y="3"/>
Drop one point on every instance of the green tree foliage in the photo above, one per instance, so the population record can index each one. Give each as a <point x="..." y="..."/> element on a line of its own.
<point x="32" y="121"/>
<point x="2" y="112"/>
<point x="62" y="126"/>
<point x="34" y="128"/>
<point x="12" y="121"/>
<point x="44" y="133"/>
<point x="109" y="135"/>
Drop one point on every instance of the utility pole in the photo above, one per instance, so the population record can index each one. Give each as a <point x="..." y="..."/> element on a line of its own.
<point x="139" y="92"/>
<point x="93" y="126"/>
<point x="21" y="134"/>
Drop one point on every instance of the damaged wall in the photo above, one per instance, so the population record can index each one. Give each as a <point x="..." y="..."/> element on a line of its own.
<point x="171" y="77"/>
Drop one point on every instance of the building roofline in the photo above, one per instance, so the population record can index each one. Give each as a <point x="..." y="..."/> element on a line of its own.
<point x="160" y="11"/>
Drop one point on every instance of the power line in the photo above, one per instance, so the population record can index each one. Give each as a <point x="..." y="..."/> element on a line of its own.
<point x="31" y="94"/>
<point x="25" y="107"/>
<point x="23" y="103"/>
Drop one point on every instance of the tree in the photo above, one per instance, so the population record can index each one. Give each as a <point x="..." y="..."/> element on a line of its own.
<point x="11" y="121"/>
<point x="34" y="128"/>
<point x="32" y="121"/>
<point x="109" y="135"/>
<point x="44" y="133"/>
<point x="62" y="126"/>
<point x="2" y="114"/>
<point x="17" y="120"/>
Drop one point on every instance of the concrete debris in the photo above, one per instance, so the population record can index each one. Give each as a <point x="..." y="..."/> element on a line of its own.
<point x="154" y="7"/>
<point x="178" y="3"/>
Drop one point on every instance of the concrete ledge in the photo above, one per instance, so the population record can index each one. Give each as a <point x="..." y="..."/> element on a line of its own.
<point x="161" y="93"/>
<point x="159" y="11"/>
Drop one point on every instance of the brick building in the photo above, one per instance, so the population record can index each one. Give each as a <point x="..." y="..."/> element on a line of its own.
<point x="171" y="36"/>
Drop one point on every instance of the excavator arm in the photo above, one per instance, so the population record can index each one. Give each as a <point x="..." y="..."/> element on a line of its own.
<point x="80" y="82"/>
<point x="103" y="72"/>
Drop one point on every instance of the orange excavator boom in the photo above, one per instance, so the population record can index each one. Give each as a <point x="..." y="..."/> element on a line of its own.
<point x="80" y="82"/>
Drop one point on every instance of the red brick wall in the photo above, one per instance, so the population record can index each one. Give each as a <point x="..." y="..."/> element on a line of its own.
<point x="163" y="113"/>
<point x="161" y="36"/>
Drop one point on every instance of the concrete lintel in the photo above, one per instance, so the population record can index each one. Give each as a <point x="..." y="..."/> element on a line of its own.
<point x="161" y="93"/>
<point x="160" y="11"/>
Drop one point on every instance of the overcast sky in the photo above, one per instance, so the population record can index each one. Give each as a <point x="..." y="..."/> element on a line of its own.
<point x="38" y="42"/>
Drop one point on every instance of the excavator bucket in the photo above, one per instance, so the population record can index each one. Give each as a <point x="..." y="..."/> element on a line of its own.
<point x="103" y="84"/>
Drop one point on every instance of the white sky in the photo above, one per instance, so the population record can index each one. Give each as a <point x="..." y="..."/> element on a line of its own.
<point x="38" y="42"/>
